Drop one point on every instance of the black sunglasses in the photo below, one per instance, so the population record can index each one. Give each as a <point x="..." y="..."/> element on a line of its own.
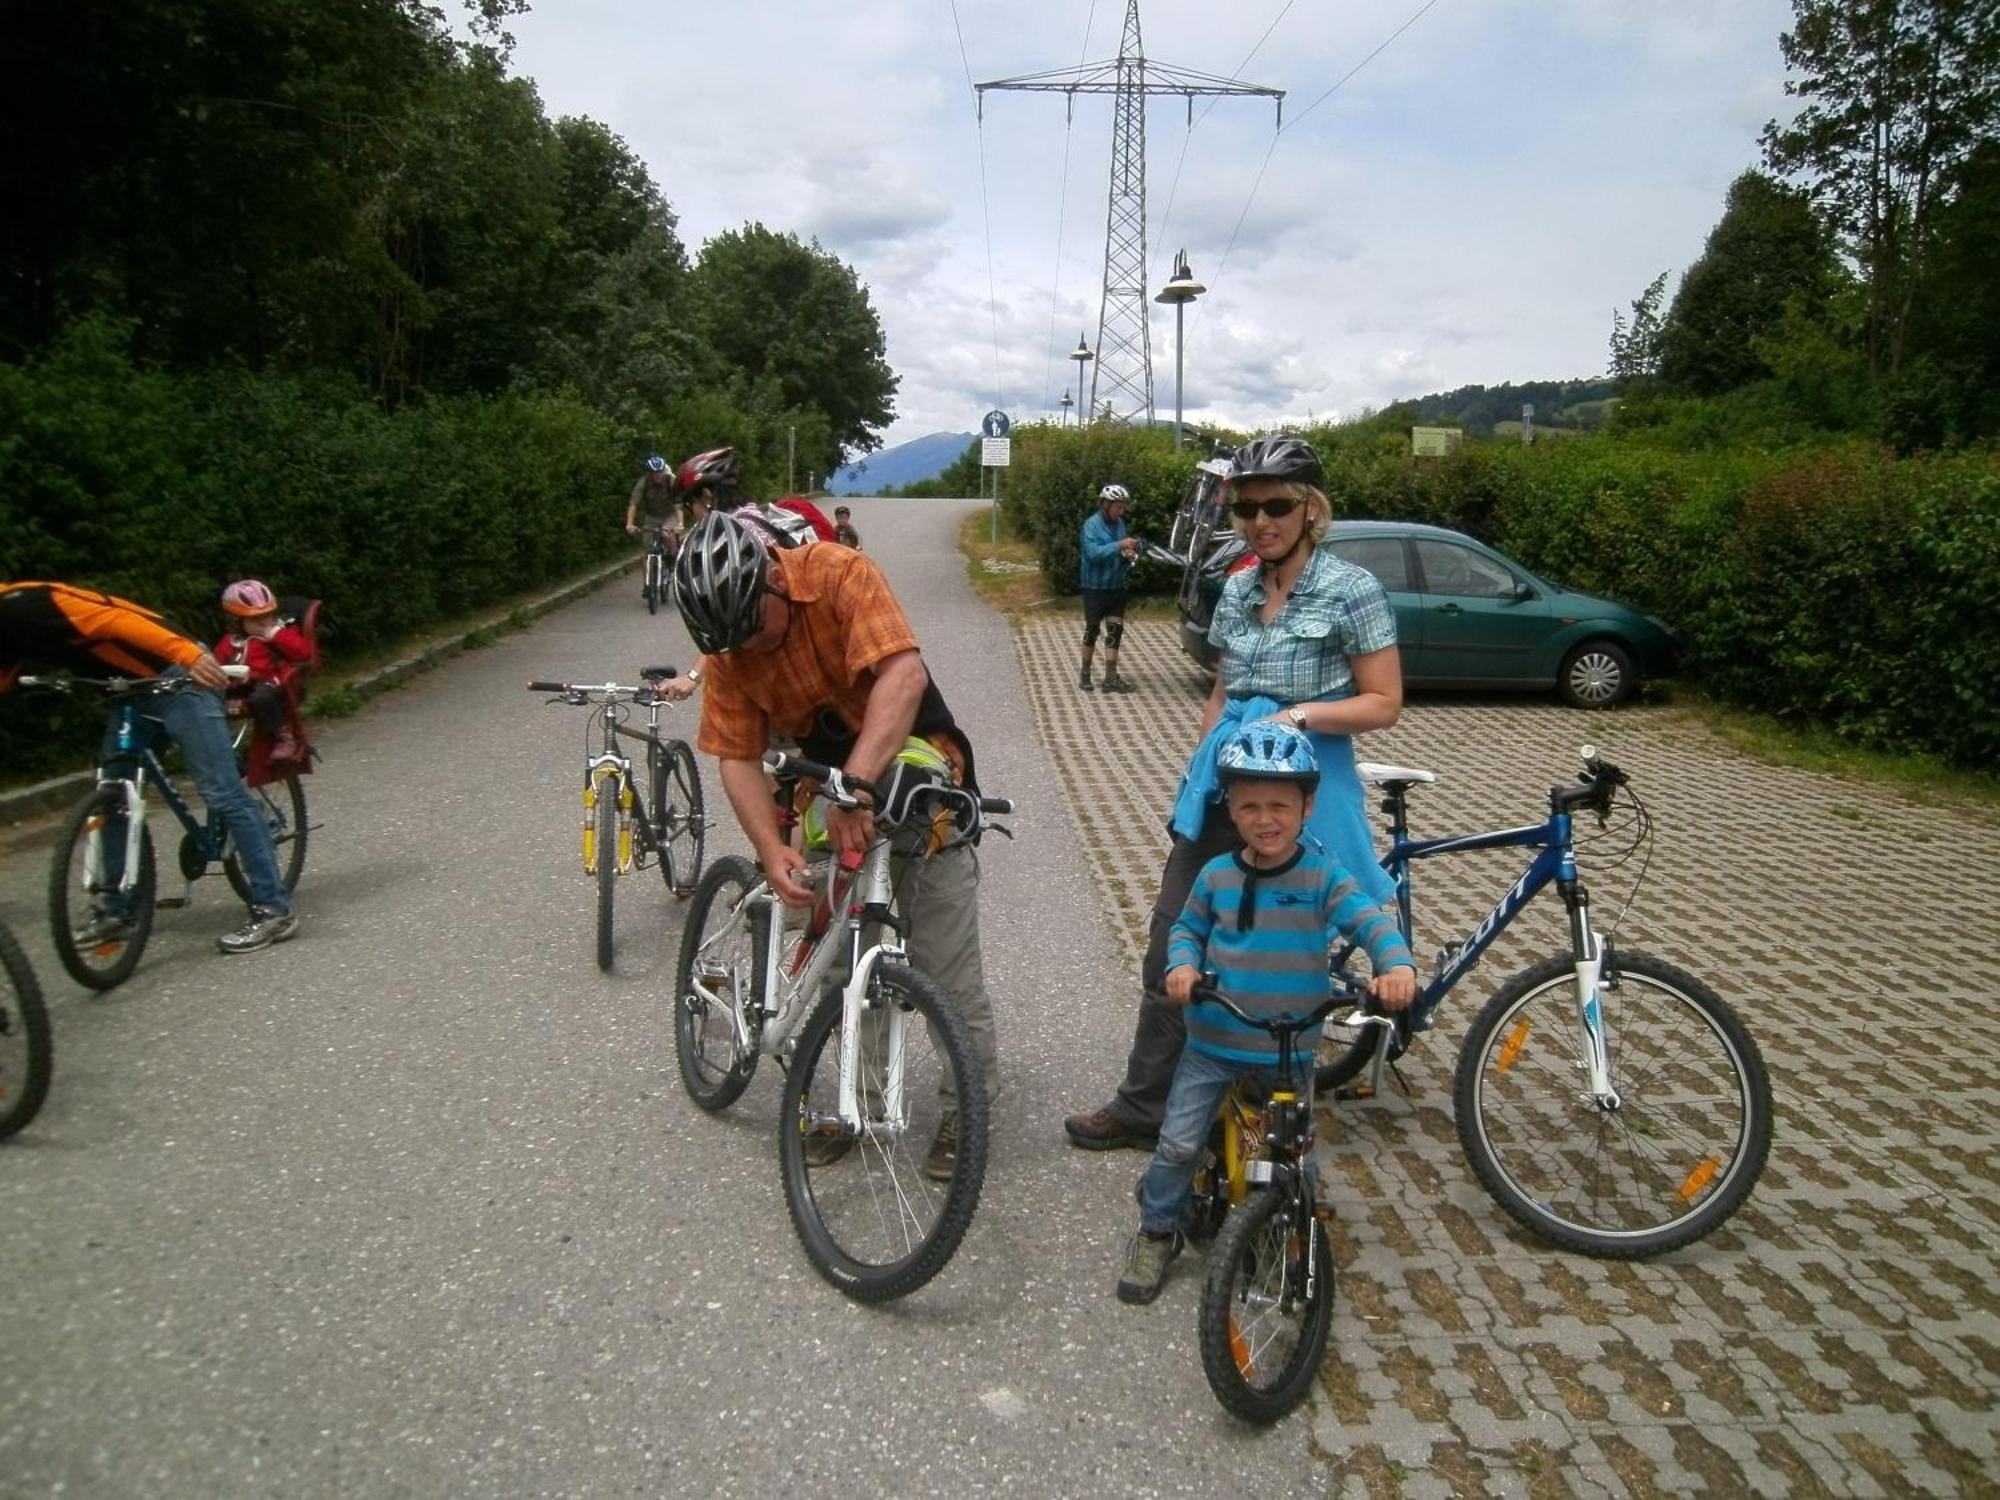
<point x="1276" y="508"/>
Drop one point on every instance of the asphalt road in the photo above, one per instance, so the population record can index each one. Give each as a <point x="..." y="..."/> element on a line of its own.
<point x="414" y="1205"/>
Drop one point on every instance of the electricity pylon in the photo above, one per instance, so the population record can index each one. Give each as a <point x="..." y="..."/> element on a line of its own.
<point x="1124" y="338"/>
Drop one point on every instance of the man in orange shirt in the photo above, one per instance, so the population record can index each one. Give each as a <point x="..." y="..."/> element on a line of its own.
<point x="809" y="642"/>
<point x="98" y="635"/>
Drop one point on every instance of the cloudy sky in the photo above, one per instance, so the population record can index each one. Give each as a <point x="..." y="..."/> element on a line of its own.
<point x="1470" y="206"/>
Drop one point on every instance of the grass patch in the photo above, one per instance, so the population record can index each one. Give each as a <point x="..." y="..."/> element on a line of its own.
<point x="1923" y="780"/>
<point x="1007" y="575"/>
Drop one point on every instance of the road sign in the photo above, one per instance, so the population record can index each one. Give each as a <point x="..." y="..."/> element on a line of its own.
<point x="994" y="453"/>
<point x="997" y="424"/>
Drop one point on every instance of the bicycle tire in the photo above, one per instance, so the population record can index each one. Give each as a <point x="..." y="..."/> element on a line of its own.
<point x="1556" y="1162"/>
<point x="607" y="865"/>
<point x="285" y="815"/>
<point x="103" y="966"/>
<point x="677" y="816"/>
<point x="27" y="1050"/>
<point x="1266" y="1312"/>
<point x="652" y="589"/>
<point x="872" y="1223"/>
<point x="727" y="940"/>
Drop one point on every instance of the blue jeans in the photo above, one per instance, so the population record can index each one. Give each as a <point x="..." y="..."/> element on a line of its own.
<point x="193" y="717"/>
<point x="1200" y="1082"/>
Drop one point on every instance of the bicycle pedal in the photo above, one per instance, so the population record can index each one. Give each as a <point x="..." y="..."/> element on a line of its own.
<point x="171" y="903"/>
<point x="1353" y="1091"/>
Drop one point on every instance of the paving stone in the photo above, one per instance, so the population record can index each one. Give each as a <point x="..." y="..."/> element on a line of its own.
<point x="1842" y="1335"/>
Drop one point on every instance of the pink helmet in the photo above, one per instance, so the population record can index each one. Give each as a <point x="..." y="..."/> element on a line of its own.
<point x="248" y="598"/>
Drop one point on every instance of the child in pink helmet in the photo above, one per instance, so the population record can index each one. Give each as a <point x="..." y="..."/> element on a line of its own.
<point x="264" y="642"/>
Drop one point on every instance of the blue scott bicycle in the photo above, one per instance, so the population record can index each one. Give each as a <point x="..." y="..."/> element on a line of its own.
<point x="1609" y="1101"/>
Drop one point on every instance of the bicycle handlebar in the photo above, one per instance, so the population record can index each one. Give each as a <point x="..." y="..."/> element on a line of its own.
<point x="1600" y="783"/>
<point x="839" y="786"/>
<point x="1206" y="992"/>
<point x="113" y="686"/>
<point x="605" y="692"/>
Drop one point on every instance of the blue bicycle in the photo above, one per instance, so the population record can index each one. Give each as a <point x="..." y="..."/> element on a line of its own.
<point x="103" y="880"/>
<point x="1609" y="1101"/>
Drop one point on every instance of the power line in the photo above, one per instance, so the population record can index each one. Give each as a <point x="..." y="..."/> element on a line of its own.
<point x="1062" y="215"/>
<point x="985" y="207"/>
<point x="1251" y="197"/>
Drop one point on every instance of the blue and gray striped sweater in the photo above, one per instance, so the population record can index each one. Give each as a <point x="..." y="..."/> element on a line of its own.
<point x="1271" y="958"/>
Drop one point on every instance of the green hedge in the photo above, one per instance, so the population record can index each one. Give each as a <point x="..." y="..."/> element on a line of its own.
<point x="1840" y="586"/>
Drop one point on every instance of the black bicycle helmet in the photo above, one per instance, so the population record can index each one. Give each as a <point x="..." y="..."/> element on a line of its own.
<point x="718" y="469"/>
<point x="719" y="582"/>
<point x="1279" y="456"/>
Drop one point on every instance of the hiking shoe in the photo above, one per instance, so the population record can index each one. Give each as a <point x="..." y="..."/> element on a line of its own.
<point x="825" y="1147"/>
<point x="943" y="1155"/>
<point x="1084" y="683"/>
<point x="1117" y="685"/>
<point x="1146" y="1261"/>
<point x="264" y="926"/>
<point x="104" y="929"/>
<point x="1101" y="1130"/>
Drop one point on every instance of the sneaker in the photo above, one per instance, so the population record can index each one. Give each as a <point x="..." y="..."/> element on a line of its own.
<point x="825" y="1147"/>
<point x="1101" y="1130"/>
<point x="943" y="1155"/>
<point x="264" y="926"/>
<point x="104" y="929"/>
<point x="1117" y="685"/>
<point x="1146" y="1262"/>
<point x="1084" y="683"/>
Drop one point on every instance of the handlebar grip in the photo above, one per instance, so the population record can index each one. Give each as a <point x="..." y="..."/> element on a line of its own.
<point x="548" y="687"/>
<point x="1000" y="805"/>
<point x="784" y="762"/>
<point x="236" y="671"/>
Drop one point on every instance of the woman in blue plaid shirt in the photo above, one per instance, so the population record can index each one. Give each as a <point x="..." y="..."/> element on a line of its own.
<point x="1305" y="638"/>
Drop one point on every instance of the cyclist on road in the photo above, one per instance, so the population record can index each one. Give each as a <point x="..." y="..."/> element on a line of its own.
<point x="714" y="481"/>
<point x="1261" y="917"/>
<point x="843" y="528"/>
<point x="1305" y="638"/>
<point x="265" y="643"/>
<point x="655" y="504"/>
<point x="810" y="642"/>
<point x="1108" y="548"/>
<point x="95" y="634"/>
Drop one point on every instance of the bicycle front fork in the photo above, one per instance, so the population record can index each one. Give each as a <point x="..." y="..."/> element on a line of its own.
<point x="94" y="861"/>
<point x="1596" y="1057"/>
<point x="619" y="788"/>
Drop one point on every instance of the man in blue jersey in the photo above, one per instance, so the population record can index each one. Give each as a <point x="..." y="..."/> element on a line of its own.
<point x="1108" y="548"/>
<point x="1262" y="919"/>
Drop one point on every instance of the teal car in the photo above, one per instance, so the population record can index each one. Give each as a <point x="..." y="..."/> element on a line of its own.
<point x="1469" y="617"/>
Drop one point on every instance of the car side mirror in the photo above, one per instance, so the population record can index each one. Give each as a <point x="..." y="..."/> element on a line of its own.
<point x="1520" y="593"/>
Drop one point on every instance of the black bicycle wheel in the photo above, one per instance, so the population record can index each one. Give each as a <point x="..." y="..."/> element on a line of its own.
<point x="283" y="806"/>
<point x="679" y="823"/>
<point x="1266" y="1306"/>
<point x="27" y="1053"/>
<point x="1676" y="1156"/>
<point x="652" y="583"/>
<point x="871" y="1220"/>
<point x="82" y="901"/>
<point x="716" y="980"/>
<point x="607" y="865"/>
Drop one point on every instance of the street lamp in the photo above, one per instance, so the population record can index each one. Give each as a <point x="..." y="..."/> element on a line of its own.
<point x="1182" y="290"/>
<point x="1083" y="355"/>
<point x="1066" y="405"/>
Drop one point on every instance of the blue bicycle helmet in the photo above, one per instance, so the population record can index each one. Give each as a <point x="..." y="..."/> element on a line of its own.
<point x="1268" y="750"/>
<point x="657" y="464"/>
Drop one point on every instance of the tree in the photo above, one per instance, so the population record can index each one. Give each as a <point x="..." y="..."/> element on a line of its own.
<point x="1898" y="93"/>
<point x="1635" y="345"/>
<point x="794" y="326"/>
<point x="1767" y="248"/>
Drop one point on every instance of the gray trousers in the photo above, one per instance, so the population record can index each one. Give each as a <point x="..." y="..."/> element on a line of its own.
<point x="1162" y="1030"/>
<point x="940" y="897"/>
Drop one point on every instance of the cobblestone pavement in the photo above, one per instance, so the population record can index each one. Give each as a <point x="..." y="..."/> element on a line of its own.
<point x="1840" y="1336"/>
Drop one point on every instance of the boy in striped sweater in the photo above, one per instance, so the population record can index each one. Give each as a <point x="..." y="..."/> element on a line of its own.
<point x="1262" y="918"/>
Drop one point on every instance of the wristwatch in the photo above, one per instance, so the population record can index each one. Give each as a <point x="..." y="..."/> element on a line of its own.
<point x="1297" y="715"/>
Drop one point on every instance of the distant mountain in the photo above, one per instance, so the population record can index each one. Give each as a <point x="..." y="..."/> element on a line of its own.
<point x="906" y="463"/>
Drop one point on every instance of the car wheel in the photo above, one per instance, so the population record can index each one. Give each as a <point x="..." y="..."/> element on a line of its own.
<point x="1597" y="674"/>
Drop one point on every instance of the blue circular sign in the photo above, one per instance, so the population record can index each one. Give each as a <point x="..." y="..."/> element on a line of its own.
<point x="996" y="425"/>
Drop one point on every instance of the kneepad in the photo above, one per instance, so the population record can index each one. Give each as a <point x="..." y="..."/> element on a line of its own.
<point x="1114" y="632"/>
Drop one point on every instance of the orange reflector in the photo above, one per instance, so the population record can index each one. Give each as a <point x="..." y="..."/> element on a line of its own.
<point x="1511" y="1048"/>
<point x="1700" y="1177"/>
<point x="1239" y="1350"/>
